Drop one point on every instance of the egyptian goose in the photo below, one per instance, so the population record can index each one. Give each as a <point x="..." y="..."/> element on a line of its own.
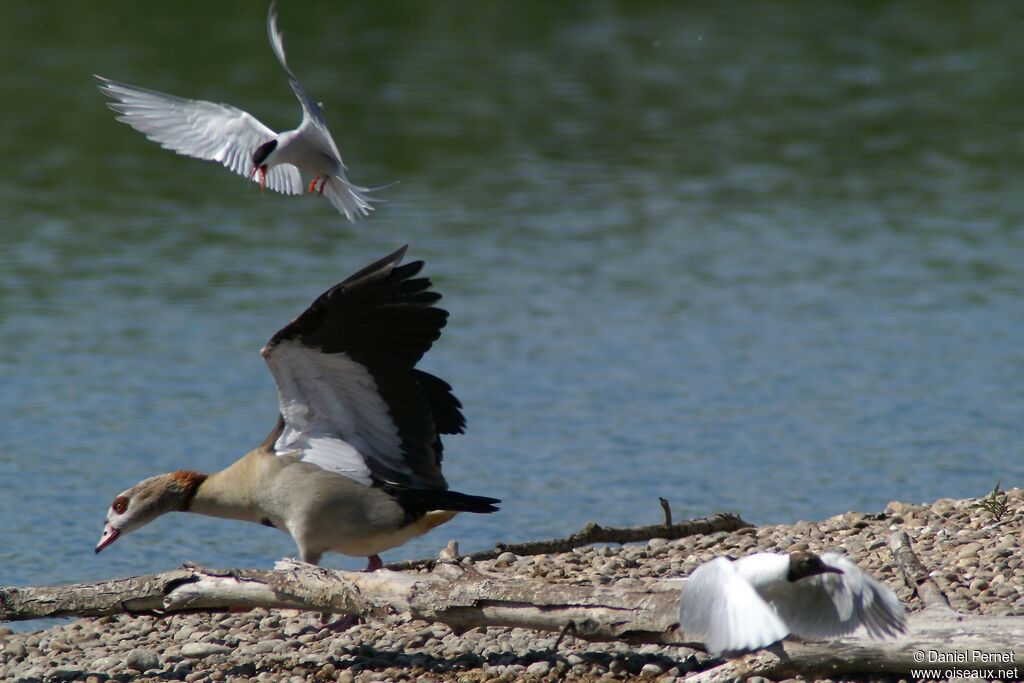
<point x="226" y="134"/>
<point x="353" y="464"/>
<point x="749" y="603"/>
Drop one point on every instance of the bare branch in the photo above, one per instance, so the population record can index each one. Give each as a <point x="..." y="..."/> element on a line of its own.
<point x="667" y="509"/>
<point x="915" y="575"/>
<point x="463" y="598"/>
<point x="593" y="533"/>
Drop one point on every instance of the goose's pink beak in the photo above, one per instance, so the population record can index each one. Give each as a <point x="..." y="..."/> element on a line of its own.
<point x="110" y="534"/>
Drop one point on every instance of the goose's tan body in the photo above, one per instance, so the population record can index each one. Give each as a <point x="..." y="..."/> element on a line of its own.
<point x="353" y="464"/>
<point x="323" y="511"/>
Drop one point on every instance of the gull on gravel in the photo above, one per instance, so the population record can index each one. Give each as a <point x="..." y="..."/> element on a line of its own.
<point x="750" y="603"/>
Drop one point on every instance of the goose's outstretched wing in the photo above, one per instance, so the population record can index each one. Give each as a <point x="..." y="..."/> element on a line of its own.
<point x="349" y="393"/>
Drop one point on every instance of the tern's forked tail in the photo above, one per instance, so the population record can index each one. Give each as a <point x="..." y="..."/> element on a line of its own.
<point x="351" y="200"/>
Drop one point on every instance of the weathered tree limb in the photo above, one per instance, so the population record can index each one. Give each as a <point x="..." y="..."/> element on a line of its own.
<point x="593" y="533"/>
<point x="186" y="589"/>
<point x="915" y="575"/>
<point x="667" y="510"/>
<point x="452" y="594"/>
<point x="461" y="596"/>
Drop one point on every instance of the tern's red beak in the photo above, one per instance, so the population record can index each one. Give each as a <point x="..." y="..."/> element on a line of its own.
<point x="262" y="170"/>
<point x="110" y="534"/>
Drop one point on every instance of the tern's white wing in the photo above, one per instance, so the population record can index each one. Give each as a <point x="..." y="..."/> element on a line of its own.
<point x="200" y="129"/>
<point x="313" y="121"/>
<point x="829" y="604"/>
<point x="722" y="606"/>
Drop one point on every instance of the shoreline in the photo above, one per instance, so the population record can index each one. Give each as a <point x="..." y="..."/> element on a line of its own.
<point x="973" y="558"/>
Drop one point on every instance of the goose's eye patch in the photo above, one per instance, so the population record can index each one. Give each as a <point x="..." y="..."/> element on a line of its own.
<point x="119" y="505"/>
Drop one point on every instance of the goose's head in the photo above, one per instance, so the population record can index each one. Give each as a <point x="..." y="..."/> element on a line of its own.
<point x="147" y="500"/>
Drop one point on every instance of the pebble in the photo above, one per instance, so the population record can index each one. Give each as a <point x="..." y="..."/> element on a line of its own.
<point x="651" y="669"/>
<point x="64" y="673"/>
<point x="200" y="650"/>
<point x="969" y="550"/>
<point x="142" y="660"/>
<point x="104" y="664"/>
<point x="974" y="561"/>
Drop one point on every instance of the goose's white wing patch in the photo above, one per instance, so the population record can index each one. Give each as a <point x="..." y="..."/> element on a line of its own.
<point x="334" y="416"/>
<point x="200" y="129"/>
<point x="719" y="604"/>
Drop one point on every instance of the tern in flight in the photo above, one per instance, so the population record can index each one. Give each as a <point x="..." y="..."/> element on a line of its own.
<point x="226" y="134"/>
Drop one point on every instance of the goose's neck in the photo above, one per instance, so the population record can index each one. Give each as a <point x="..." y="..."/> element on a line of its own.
<point x="230" y="493"/>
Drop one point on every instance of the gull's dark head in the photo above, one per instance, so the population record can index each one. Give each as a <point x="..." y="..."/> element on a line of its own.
<point x="804" y="564"/>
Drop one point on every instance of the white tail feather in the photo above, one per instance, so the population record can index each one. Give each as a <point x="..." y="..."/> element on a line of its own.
<point x="351" y="200"/>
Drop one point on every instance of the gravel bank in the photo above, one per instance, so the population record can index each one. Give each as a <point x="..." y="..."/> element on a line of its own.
<point x="973" y="558"/>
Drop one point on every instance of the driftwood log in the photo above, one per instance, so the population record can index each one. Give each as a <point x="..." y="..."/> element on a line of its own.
<point x="456" y="593"/>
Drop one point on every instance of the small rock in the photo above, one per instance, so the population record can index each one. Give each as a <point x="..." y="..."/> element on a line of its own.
<point x="142" y="660"/>
<point x="1006" y="590"/>
<point x="16" y="648"/>
<point x="266" y="646"/>
<point x="969" y="550"/>
<point x="539" y="668"/>
<point x="64" y="673"/>
<point x="505" y="559"/>
<point x="200" y="650"/>
<point x="293" y="629"/>
<point x="104" y="664"/>
<point x="651" y="669"/>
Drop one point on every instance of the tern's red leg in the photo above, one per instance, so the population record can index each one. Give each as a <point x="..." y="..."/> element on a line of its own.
<point x="313" y="184"/>
<point x="375" y="563"/>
